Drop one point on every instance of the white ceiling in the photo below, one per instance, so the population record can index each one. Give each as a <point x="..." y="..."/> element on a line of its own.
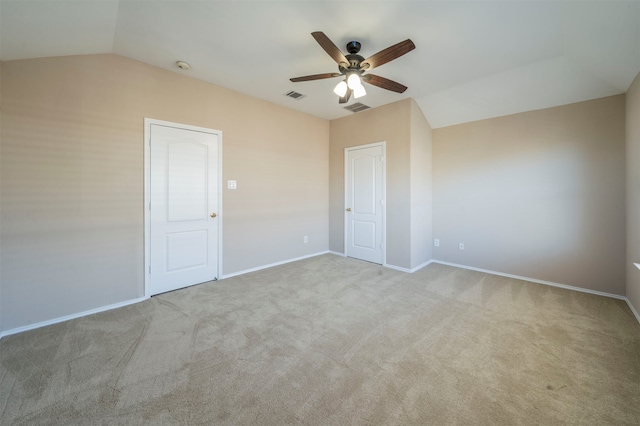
<point x="473" y="60"/>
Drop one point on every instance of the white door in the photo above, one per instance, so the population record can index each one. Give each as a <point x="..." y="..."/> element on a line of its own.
<point x="364" y="203"/>
<point x="183" y="207"/>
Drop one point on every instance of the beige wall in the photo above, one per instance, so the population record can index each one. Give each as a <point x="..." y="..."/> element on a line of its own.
<point x="389" y="123"/>
<point x="421" y="188"/>
<point x="633" y="191"/>
<point x="538" y="194"/>
<point x="72" y="179"/>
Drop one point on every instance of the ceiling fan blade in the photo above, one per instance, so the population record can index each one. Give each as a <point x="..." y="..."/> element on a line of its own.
<point x="388" y="54"/>
<point x="344" y="99"/>
<point x="384" y="83"/>
<point x="315" y="77"/>
<point x="330" y="48"/>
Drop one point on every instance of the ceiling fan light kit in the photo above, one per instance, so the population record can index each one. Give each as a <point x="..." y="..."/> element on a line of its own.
<point x="353" y="67"/>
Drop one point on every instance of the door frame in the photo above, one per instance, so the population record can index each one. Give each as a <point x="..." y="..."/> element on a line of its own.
<point x="382" y="144"/>
<point x="148" y="122"/>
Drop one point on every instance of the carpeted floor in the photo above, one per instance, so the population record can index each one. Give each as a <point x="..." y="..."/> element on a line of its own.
<point x="334" y="341"/>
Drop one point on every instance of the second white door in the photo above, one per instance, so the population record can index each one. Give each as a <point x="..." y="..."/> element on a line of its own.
<point x="184" y="222"/>
<point x="364" y="202"/>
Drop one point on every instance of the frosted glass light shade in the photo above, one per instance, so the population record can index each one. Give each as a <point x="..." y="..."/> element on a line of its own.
<point x="353" y="81"/>
<point x="359" y="91"/>
<point x="341" y="89"/>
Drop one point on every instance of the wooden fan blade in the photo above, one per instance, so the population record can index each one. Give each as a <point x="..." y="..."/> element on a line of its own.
<point x="315" y="77"/>
<point x="344" y="99"/>
<point x="388" y="54"/>
<point x="384" y="83"/>
<point x="330" y="48"/>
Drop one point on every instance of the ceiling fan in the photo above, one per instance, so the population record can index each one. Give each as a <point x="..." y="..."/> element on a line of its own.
<point x="353" y="67"/>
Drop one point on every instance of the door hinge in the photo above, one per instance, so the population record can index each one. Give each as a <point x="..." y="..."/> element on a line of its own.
<point x="381" y="245"/>
<point x="382" y="202"/>
<point x="382" y="158"/>
<point x="149" y="268"/>
<point x="149" y="205"/>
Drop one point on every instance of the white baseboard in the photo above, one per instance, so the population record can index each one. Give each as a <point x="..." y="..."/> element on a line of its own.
<point x="568" y="287"/>
<point x="70" y="317"/>
<point x="271" y="265"/>
<point x="397" y="268"/>
<point x="518" y="277"/>
<point x="407" y="270"/>
<point x="422" y="265"/>
<point x="140" y="299"/>
<point x="633" y="310"/>
<point x="132" y="301"/>
<point x="387" y="265"/>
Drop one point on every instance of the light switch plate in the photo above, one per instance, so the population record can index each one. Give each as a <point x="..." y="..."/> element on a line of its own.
<point x="231" y="184"/>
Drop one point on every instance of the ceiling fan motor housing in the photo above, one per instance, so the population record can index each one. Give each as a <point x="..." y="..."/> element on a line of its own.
<point x="354" y="63"/>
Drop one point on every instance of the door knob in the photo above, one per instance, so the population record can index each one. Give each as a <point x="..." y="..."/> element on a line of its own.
<point x="349" y="209"/>
<point x="213" y="215"/>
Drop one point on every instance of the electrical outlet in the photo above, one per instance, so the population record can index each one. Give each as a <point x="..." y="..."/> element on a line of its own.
<point x="436" y="242"/>
<point x="461" y="246"/>
<point x="231" y="184"/>
<point x="305" y="239"/>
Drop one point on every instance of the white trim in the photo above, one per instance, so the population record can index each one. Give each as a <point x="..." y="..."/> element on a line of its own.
<point x="633" y="310"/>
<point x="137" y="300"/>
<point x="416" y="268"/>
<point x="383" y="144"/>
<point x="407" y="270"/>
<point x="142" y="299"/>
<point x="397" y="268"/>
<point x="145" y="206"/>
<point x="220" y="209"/>
<point x="148" y="122"/>
<point x="518" y="277"/>
<point x="270" y="265"/>
<point x="72" y="316"/>
<point x="637" y="265"/>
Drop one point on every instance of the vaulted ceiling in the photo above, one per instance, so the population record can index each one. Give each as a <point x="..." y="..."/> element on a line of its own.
<point x="473" y="60"/>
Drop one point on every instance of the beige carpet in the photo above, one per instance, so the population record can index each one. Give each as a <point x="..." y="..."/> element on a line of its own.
<point x="334" y="341"/>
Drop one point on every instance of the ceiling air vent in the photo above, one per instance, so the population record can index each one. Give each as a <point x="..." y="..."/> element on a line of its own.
<point x="295" y="95"/>
<point x="357" y="107"/>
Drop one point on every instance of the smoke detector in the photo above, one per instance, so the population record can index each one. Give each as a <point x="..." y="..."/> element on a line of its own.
<point x="183" y="65"/>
